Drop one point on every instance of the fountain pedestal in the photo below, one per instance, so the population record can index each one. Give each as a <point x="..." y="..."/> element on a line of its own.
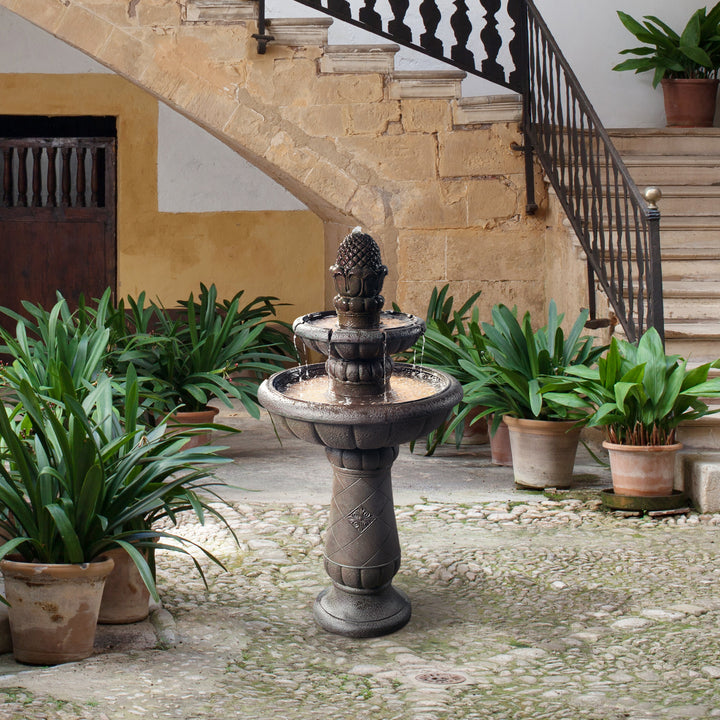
<point x="360" y="406"/>
<point x="362" y="548"/>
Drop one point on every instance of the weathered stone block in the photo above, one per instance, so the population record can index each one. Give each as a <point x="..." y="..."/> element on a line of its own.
<point x="426" y="115"/>
<point x="405" y="157"/>
<point x="331" y="89"/>
<point x="317" y="120"/>
<point x="369" y="119"/>
<point x="506" y="252"/>
<point x="422" y="255"/>
<point x="125" y="54"/>
<point x="83" y="29"/>
<point x="700" y="479"/>
<point x="492" y="200"/>
<point x="430" y="205"/>
<point x="478" y="152"/>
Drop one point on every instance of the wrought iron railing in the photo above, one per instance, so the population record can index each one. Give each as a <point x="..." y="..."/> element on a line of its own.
<point x="508" y="43"/>
<point x="618" y="230"/>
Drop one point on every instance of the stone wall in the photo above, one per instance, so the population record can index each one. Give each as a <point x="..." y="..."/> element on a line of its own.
<point x="444" y="200"/>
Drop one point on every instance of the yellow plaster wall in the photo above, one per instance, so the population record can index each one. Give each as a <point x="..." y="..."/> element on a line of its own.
<point x="168" y="254"/>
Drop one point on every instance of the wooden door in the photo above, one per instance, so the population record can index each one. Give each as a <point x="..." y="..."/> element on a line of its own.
<point x="57" y="219"/>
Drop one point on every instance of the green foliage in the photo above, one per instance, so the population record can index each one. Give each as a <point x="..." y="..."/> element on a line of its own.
<point x="206" y="349"/>
<point x="46" y="341"/>
<point x="694" y="53"/>
<point x="448" y="338"/>
<point x="639" y="393"/>
<point x="512" y="363"/>
<point x="77" y="480"/>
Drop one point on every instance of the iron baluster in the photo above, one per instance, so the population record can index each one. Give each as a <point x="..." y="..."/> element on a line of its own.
<point x="431" y="19"/>
<point x="369" y="17"/>
<point x="460" y="23"/>
<point x="492" y="42"/>
<point x="397" y="27"/>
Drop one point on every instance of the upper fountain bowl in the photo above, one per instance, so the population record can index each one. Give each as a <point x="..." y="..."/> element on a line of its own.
<point x="395" y="332"/>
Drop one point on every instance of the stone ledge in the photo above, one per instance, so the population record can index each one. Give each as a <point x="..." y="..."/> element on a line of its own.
<point x="426" y="84"/>
<point x="488" y="109"/>
<point x="700" y="477"/>
<point x="359" y="59"/>
<point x="299" y="32"/>
<point x="225" y="12"/>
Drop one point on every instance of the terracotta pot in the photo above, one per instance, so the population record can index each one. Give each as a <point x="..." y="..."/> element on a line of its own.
<point x="53" y="609"/>
<point x="543" y="451"/>
<point x="690" y="102"/>
<point x="125" y="598"/>
<point x="195" y="418"/>
<point x="500" y="452"/>
<point x="642" y="470"/>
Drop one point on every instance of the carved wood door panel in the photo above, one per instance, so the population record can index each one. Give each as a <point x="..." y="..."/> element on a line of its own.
<point x="57" y="219"/>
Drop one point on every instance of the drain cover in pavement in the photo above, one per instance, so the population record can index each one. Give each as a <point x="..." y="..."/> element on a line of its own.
<point x="440" y="678"/>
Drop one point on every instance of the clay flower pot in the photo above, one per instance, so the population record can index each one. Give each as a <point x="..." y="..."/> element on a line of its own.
<point x="689" y="102"/>
<point x="197" y="417"/>
<point x="500" y="452"/>
<point x="53" y="609"/>
<point x="543" y="451"/>
<point x="125" y="598"/>
<point x="642" y="470"/>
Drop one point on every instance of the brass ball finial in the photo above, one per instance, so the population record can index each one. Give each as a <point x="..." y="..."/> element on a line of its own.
<point x="652" y="196"/>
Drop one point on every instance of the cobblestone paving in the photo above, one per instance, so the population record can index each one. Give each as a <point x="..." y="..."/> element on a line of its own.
<point x="527" y="610"/>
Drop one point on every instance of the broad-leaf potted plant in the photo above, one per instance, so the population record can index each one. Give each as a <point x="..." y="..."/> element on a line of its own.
<point x="68" y="494"/>
<point x="641" y="395"/>
<point x="509" y="377"/>
<point x="685" y="64"/>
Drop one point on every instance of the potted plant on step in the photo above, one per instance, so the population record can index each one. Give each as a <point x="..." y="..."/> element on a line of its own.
<point x="686" y="63"/>
<point x="640" y="395"/>
<point x="68" y="494"/>
<point x="516" y="365"/>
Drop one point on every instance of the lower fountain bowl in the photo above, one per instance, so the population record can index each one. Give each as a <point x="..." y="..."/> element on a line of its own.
<point x="362" y="425"/>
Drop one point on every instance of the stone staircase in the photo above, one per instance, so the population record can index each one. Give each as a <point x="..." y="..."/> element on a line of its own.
<point x="685" y="165"/>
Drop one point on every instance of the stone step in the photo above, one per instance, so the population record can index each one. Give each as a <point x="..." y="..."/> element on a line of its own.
<point x="488" y="109"/>
<point x="359" y="59"/>
<point x="221" y="12"/>
<point x="662" y="170"/>
<point x="299" y="32"/>
<point x="426" y="84"/>
<point x="666" y="141"/>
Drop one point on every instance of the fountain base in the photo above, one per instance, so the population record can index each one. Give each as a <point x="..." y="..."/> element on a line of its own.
<point x="361" y="613"/>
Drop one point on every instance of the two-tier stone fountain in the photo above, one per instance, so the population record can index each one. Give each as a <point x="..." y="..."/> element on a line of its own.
<point x="360" y="406"/>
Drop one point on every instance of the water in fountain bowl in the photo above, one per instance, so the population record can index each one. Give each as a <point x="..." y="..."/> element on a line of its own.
<point x="387" y="321"/>
<point x="401" y="389"/>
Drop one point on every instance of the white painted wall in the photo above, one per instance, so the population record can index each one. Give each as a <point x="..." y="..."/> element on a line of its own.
<point x="196" y="172"/>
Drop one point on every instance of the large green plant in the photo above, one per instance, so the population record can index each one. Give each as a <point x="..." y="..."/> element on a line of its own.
<point x="449" y="337"/>
<point x="693" y="53"/>
<point x="512" y="363"/>
<point x="638" y="392"/>
<point x="205" y="349"/>
<point x="75" y="482"/>
<point x="47" y="340"/>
